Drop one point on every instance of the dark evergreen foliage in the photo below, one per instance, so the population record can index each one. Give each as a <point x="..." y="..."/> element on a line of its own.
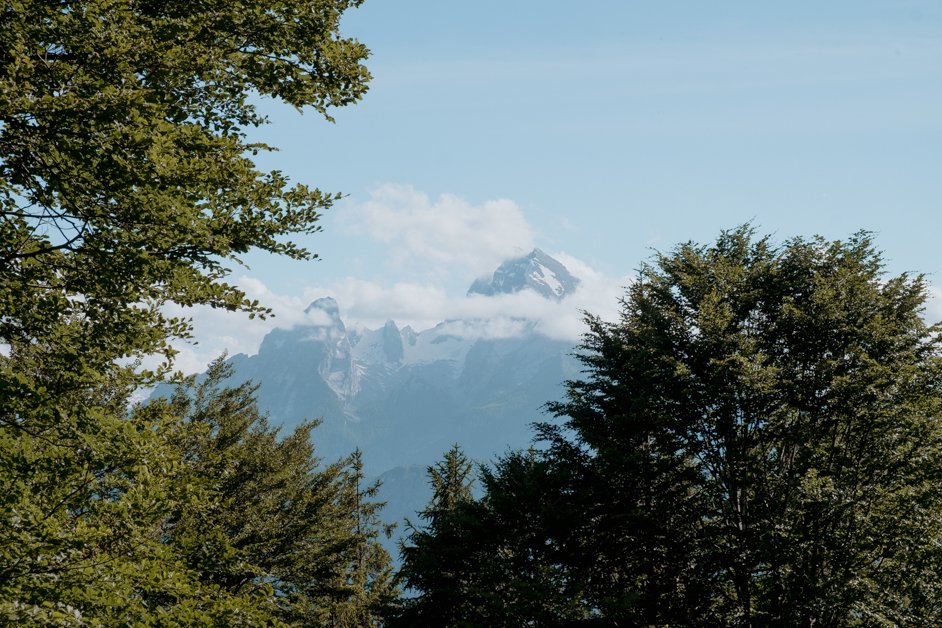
<point x="757" y="441"/>
<point x="494" y="561"/>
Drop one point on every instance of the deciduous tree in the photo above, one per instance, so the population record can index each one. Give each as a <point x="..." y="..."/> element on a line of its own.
<point x="126" y="182"/>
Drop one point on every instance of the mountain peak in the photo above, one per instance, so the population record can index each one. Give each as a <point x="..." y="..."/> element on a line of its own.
<point x="324" y="312"/>
<point x="535" y="271"/>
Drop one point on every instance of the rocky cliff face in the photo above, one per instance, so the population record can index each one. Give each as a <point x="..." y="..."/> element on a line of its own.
<point x="536" y="271"/>
<point x="404" y="397"/>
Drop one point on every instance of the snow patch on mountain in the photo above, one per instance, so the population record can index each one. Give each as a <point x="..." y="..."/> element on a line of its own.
<point x="536" y="271"/>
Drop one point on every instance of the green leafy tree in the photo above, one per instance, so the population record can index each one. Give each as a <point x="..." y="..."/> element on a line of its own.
<point x="763" y="425"/>
<point x="126" y="178"/>
<point x="127" y="182"/>
<point x="756" y="441"/>
<point x="125" y="173"/>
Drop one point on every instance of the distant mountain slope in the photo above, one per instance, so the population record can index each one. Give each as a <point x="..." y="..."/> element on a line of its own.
<point x="404" y="397"/>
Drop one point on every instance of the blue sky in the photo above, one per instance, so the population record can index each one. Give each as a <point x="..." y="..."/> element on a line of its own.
<point x="600" y="131"/>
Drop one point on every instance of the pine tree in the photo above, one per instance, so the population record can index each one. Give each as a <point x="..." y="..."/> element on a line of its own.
<point x="263" y="521"/>
<point x="366" y="581"/>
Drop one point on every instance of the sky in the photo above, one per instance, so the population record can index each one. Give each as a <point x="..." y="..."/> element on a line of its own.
<point x="600" y="132"/>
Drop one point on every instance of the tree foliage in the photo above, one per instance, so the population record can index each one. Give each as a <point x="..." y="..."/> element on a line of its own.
<point x="125" y="173"/>
<point x="757" y="441"/>
<point x="427" y="551"/>
<point x="87" y="523"/>
<point x="270" y="525"/>
<point x="127" y="182"/>
<point x="451" y="481"/>
<point x="783" y="406"/>
<point x="367" y="578"/>
<point x="493" y="561"/>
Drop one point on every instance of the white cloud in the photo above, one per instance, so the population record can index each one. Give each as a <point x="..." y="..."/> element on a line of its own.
<point x="423" y="305"/>
<point x="367" y="304"/>
<point x="933" y="313"/>
<point x="217" y="330"/>
<point x="448" y="235"/>
<point x="447" y="231"/>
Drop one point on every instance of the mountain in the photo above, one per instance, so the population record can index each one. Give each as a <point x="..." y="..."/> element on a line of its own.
<point x="404" y="397"/>
<point x="536" y="271"/>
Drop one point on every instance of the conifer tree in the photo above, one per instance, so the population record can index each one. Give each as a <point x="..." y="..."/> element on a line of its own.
<point x="493" y="561"/>
<point x="756" y="441"/>
<point x="427" y="567"/>
<point x="451" y="482"/>
<point x="270" y="524"/>
<point x="366" y="581"/>
<point x="760" y="440"/>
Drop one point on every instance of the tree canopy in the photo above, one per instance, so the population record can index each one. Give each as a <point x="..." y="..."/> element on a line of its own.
<point x="126" y="179"/>
<point x="757" y="441"/>
<point x="126" y="182"/>
<point x="125" y="175"/>
<point x="270" y="526"/>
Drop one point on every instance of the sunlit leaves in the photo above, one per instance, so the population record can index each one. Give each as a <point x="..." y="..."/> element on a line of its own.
<point x="126" y="182"/>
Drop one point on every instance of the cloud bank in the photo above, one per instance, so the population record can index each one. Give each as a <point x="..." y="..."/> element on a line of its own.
<point x="441" y="239"/>
<point x="444" y="238"/>
<point x="441" y="233"/>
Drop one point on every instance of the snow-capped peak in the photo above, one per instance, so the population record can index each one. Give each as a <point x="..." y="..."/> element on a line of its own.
<point x="536" y="271"/>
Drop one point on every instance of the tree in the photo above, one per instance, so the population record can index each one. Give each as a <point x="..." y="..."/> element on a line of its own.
<point x="367" y="578"/>
<point x="493" y="561"/>
<point x="451" y="482"/>
<point x="763" y="425"/>
<point x="756" y="441"/>
<point x="440" y="600"/>
<point x="271" y="526"/>
<point x="81" y="516"/>
<point x="124" y="174"/>
<point x="127" y="182"/>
